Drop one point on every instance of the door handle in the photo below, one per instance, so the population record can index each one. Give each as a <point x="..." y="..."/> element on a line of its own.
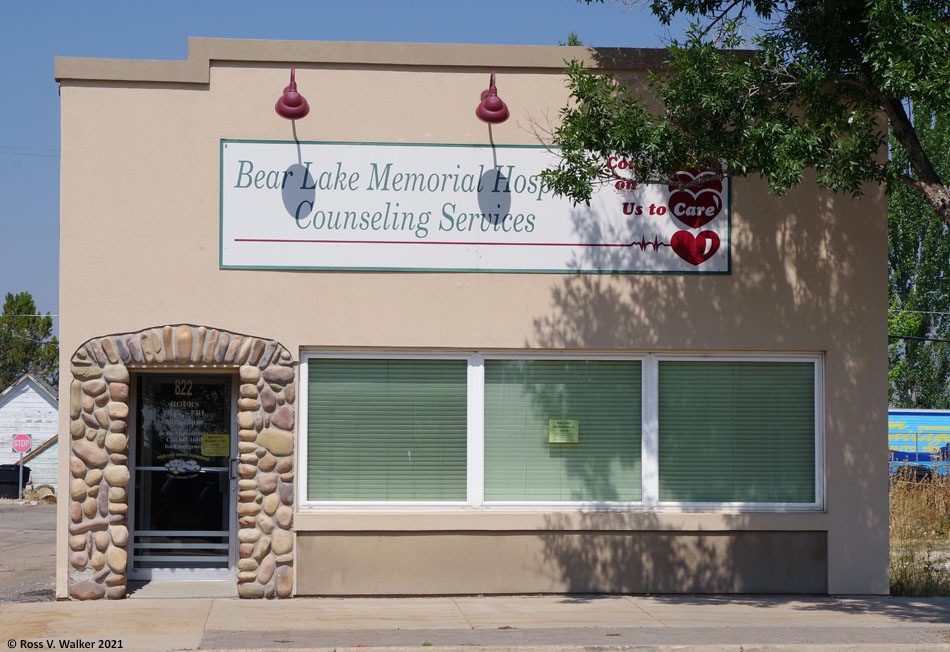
<point x="232" y="468"/>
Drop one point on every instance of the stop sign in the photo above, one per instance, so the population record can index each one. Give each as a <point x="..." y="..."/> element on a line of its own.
<point x="22" y="443"/>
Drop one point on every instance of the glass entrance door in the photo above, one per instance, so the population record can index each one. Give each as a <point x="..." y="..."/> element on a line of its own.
<point x="182" y="516"/>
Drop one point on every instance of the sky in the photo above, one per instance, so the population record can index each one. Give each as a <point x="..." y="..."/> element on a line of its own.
<point x="33" y="33"/>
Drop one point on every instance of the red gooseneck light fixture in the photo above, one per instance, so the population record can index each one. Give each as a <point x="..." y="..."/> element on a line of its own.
<point x="292" y="104"/>
<point x="491" y="109"/>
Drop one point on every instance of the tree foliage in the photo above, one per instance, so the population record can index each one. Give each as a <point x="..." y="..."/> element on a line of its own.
<point x="771" y="88"/>
<point x="572" y="39"/>
<point x="26" y="342"/>
<point x="919" y="282"/>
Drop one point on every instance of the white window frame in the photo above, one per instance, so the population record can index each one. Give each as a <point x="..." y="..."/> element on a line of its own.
<point x="475" y="463"/>
<point x="565" y="505"/>
<point x="375" y="505"/>
<point x="817" y="506"/>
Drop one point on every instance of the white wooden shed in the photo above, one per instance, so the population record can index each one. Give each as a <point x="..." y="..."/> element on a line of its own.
<point x="30" y="406"/>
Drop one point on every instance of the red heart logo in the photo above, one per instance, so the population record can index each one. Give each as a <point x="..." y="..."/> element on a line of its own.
<point x="699" y="204"/>
<point x="694" y="209"/>
<point x="694" y="249"/>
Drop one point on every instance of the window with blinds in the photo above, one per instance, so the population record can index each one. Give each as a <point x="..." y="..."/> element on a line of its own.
<point x="653" y="429"/>
<point x="527" y="405"/>
<point x="736" y="431"/>
<point x="386" y="430"/>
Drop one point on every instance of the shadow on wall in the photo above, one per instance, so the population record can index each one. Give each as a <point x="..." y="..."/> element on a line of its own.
<point x="651" y="560"/>
<point x="792" y="281"/>
<point x="803" y="278"/>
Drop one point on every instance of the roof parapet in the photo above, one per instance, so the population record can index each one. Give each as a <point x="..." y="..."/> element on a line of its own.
<point x="203" y="51"/>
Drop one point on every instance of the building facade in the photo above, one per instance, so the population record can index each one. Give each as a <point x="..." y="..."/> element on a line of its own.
<point x="367" y="351"/>
<point x="29" y="406"/>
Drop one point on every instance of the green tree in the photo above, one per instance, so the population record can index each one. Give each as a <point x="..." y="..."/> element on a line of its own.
<point x="919" y="282"/>
<point x="572" y="39"/>
<point x="761" y="87"/>
<point x="26" y="342"/>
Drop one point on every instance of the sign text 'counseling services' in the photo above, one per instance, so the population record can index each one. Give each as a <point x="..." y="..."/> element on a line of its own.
<point x="287" y="205"/>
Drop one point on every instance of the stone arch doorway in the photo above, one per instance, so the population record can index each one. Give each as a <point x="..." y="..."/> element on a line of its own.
<point x="99" y="408"/>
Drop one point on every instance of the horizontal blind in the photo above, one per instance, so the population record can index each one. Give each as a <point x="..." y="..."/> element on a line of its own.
<point x="737" y="431"/>
<point x="386" y="430"/>
<point x="522" y="396"/>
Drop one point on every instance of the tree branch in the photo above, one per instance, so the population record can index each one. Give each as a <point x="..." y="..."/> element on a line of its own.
<point x="717" y="19"/>
<point x="927" y="181"/>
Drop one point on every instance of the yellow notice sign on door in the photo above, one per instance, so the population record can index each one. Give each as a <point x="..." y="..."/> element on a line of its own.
<point x="215" y="445"/>
<point x="563" y="431"/>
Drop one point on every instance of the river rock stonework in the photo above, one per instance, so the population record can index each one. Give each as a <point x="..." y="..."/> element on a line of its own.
<point x="99" y="536"/>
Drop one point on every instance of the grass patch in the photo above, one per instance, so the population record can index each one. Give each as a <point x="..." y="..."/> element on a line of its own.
<point x="920" y="534"/>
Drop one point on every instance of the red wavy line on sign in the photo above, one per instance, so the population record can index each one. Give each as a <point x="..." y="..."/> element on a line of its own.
<point x="642" y="243"/>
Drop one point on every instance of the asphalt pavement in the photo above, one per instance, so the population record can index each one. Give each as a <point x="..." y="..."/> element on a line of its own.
<point x="27" y="552"/>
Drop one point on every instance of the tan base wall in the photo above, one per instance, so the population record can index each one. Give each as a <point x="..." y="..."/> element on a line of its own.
<point x="562" y="562"/>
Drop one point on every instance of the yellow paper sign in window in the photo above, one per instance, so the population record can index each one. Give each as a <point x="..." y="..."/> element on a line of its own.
<point x="563" y="431"/>
<point x="215" y="445"/>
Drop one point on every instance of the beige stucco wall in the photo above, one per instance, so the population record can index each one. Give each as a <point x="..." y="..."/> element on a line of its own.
<point x="139" y="247"/>
<point x="442" y="563"/>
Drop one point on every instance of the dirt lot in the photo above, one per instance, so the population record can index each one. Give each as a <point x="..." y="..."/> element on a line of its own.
<point x="27" y="552"/>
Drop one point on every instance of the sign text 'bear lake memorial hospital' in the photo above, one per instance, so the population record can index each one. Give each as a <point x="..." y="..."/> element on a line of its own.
<point x="369" y="206"/>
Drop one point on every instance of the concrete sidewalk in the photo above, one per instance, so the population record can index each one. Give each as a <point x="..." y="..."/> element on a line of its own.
<point x="552" y="622"/>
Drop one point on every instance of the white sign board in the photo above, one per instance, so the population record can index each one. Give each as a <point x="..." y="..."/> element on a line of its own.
<point x="22" y="443"/>
<point x="463" y="208"/>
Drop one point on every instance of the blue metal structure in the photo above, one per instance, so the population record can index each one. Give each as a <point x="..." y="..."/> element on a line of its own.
<point x="919" y="438"/>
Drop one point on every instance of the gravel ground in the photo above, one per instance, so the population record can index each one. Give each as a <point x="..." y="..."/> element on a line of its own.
<point x="27" y="551"/>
